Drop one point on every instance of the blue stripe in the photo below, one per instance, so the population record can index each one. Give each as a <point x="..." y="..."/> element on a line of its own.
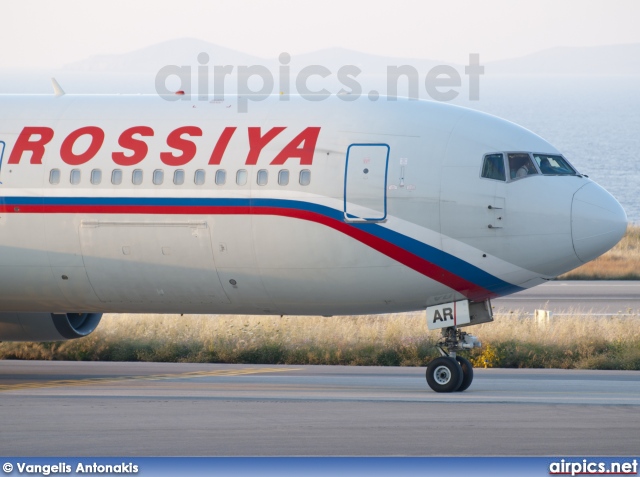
<point x="428" y="253"/>
<point x="444" y="260"/>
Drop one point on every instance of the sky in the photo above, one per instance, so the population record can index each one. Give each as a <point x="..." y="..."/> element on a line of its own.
<point x="49" y="34"/>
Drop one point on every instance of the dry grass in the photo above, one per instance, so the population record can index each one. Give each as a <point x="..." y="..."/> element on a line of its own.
<point x="514" y="340"/>
<point x="358" y="340"/>
<point x="575" y="341"/>
<point x="622" y="262"/>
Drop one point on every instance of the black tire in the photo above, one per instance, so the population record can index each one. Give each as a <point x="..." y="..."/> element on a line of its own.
<point x="444" y="375"/>
<point x="467" y="373"/>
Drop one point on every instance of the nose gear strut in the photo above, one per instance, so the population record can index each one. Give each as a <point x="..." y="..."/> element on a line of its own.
<point x="451" y="372"/>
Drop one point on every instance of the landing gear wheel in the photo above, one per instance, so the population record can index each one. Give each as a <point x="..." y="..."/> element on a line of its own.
<point x="444" y="375"/>
<point x="467" y="372"/>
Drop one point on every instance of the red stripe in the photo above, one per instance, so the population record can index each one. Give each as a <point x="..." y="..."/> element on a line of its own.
<point x="467" y="288"/>
<point x="439" y="274"/>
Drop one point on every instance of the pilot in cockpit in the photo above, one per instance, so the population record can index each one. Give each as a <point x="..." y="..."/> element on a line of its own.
<point x="520" y="165"/>
<point x="523" y="170"/>
<point x="545" y="166"/>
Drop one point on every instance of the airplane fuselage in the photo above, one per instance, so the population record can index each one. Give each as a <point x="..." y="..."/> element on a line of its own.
<point x="139" y="204"/>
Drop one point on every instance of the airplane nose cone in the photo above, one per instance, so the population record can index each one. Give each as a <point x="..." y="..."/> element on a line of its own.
<point x="598" y="221"/>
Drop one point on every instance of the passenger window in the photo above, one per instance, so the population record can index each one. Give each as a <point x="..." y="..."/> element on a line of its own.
<point x="520" y="165"/>
<point x="96" y="176"/>
<point x="54" y="176"/>
<point x="305" y="177"/>
<point x="178" y="177"/>
<point x="116" y="177"/>
<point x="241" y="177"/>
<point x="136" y="177"/>
<point x="221" y="177"/>
<point x="283" y="177"/>
<point x="75" y="176"/>
<point x="158" y="177"/>
<point x="493" y="167"/>
<point x="198" y="178"/>
<point x="263" y="177"/>
<point x="553" y="165"/>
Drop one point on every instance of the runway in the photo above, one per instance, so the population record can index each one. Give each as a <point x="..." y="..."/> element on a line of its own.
<point x="576" y="296"/>
<point x="136" y="409"/>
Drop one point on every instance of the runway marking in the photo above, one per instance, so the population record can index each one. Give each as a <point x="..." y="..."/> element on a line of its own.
<point x="151" y="377"/>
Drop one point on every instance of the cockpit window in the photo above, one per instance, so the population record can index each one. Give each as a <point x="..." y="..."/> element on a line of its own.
<point x="520" y="165"/>
<point x="493" y="167"/>
<point x="552" y="165"/>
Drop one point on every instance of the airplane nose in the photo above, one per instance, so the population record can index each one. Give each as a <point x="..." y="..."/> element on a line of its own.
<point x="598" y="221"/>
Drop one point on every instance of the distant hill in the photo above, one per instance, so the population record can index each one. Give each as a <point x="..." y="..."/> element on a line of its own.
<point x="135" y="72"/>
<point x="598" y="60"/>
<point x="583" y="61"/>
<point x="334" y="58"/>
<point x="183" y="51"/>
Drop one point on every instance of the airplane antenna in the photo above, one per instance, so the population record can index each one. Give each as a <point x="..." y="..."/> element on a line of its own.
<point x="57" y="90"/>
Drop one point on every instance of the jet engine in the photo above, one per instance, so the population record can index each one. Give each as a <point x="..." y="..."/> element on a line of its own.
<point x="47" y="326"/>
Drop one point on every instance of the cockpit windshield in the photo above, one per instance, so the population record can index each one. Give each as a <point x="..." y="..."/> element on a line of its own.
<point x="493" y="167"/>
<point x="520" y="165"/>
<point x="512" y="166"/>
<point x="552" y="165"/>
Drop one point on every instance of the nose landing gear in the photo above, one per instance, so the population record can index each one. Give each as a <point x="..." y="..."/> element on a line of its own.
<point x="451" y="372"/>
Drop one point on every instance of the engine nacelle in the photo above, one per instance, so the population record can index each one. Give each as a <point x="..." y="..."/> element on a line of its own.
<point x="47" y="326"/>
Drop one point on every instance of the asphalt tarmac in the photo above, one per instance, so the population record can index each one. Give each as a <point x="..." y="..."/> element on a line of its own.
<point x="167" y="409"/>
<point x="576" y="297"/>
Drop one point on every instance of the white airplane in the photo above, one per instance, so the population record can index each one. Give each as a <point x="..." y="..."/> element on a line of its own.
<point x="139" y="204"/>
